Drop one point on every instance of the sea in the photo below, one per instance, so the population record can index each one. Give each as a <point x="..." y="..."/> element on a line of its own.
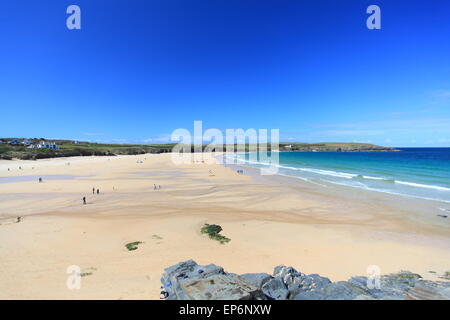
<point x="422" y="173"/>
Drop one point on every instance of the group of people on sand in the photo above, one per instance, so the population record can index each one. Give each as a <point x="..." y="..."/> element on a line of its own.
<point x="20" y="168"/>
<point x="94" y="190"/>
<point x="155" y="187"/>
<point x="240" y="171"/>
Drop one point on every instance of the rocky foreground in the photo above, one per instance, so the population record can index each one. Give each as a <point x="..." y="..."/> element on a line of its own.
<point x="190" y="281"/>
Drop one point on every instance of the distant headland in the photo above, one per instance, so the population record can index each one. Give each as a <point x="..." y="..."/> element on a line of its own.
<point x="41" y="148"/>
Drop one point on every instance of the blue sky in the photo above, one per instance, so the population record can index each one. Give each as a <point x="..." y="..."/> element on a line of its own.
<point x="137" y="70"/>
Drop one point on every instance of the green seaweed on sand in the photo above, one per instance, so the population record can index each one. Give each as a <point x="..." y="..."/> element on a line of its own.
<point x="133" y="245"/>
<point x="213" y="230"/>
<point x="88" y="272"/>
<point x="85" y="274"/>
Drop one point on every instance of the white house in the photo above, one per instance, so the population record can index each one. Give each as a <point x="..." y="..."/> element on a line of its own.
<point x="47" y="145"/>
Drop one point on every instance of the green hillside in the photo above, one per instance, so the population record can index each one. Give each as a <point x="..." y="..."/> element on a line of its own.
<point x="68" y="148"/>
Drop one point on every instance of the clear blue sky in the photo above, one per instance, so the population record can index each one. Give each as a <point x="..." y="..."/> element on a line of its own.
<point x="137" y="70"/>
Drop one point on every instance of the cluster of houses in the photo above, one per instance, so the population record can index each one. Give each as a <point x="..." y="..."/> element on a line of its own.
<point x="44" y="145"/>
<point x="30" y="145"/>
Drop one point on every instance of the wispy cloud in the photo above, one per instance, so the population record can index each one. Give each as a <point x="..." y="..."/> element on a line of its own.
<point x="384" y="126"/>
<point x="403" y="131"/>
<point x="440" y="96"/>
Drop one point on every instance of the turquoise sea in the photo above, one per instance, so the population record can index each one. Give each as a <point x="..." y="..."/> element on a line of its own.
<point x="412" y="172"/>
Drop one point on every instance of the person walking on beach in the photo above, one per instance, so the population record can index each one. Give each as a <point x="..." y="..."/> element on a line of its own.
<point x="40" y="180"/>
<point x="154" y="186"/>
<point x="98" y="191"/>
<point x="93" y="190"/>
<point x="84" y="200"/>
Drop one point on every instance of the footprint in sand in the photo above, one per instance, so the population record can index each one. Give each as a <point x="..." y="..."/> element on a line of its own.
<point x="156" y="237"/>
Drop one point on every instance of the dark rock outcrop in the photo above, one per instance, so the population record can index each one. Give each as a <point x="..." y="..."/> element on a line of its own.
<point x="189" y="281"/>
<point x="275" y="289"/>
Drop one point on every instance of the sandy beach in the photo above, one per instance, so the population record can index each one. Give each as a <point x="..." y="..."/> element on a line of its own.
<point x="45" y="228"/>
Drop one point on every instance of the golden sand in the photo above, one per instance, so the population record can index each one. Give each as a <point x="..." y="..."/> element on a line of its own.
<point x="268" y="224"/>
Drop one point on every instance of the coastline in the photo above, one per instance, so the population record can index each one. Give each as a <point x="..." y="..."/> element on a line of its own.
<point x="271" y="221"/>
<point x="408" y="209"/>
